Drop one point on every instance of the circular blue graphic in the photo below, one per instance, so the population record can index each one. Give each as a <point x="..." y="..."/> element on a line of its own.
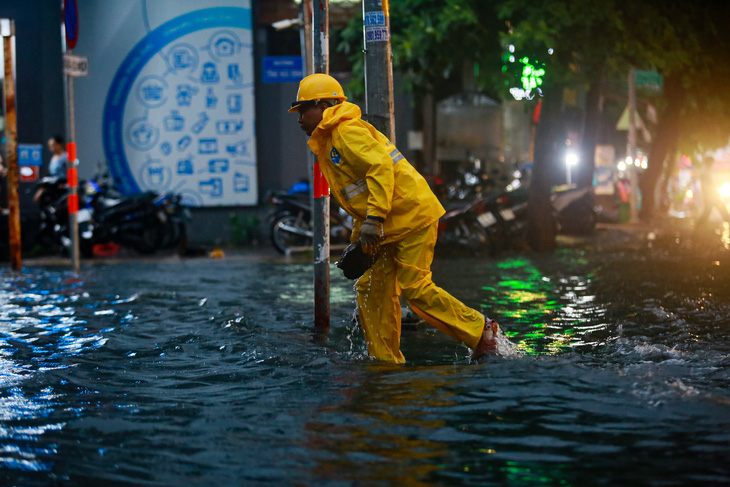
<point x="141" y="134"/>
<point x="223" y="45"/>
<point x="182" y="57"/>
<point x="155" y="175"/>
<point x="190" y="198"/>
<point x="152" y="91"/>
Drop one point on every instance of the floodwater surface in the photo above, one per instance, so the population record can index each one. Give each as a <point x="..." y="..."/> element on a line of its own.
<point x="206" y="373"/>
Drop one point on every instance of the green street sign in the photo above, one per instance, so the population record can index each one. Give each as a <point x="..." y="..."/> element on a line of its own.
<point x="650" y="81"/>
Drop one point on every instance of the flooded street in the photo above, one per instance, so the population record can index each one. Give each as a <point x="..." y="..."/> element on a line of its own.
<point x="205" y="373"/>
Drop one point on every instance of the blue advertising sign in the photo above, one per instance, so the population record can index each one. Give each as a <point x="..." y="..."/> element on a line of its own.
<point x="282" y="69"/>
<point x="30" y="154"/>
<point x="179" y="113"/>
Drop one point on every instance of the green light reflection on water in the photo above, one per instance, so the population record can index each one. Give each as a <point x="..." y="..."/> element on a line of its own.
<point x="527" y="300"/>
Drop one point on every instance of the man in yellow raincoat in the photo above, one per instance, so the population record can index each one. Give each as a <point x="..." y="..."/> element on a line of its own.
<point x="395" y="213"/>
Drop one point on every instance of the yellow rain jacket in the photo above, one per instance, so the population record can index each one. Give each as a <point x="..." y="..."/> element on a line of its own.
<point x="369" y="176"/>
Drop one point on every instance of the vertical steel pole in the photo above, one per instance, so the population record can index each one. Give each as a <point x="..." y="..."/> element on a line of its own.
<point x="633" y="173"/>
<point x="378" y="66"/>
<point x="11" y="128"/>
<point x="321" y="207"/>
<point x="72" y="178"/>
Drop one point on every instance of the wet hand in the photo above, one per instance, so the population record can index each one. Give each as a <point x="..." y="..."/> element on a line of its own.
<point x="371" y="233"/>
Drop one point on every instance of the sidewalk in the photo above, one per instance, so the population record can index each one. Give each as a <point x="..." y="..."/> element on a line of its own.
<point x="606" y="237"/>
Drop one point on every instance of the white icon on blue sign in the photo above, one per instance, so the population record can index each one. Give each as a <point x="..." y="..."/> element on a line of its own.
<point x="209" y="75"/>
<point x="151" y="91"/>
<point x="207" y="146"/>
<point x="200" y="124"/>
<point x="185" y="167"/>
<point x="174" y="122"/>
<point x="218" y="166"/>
<point x="213" y="187"/>
<point x="234" y="103"/>
<point x="142" y="135"/>
<point x="227" y="127"/>
<point x="185" y="94"/>
<point x="241" y="183"/>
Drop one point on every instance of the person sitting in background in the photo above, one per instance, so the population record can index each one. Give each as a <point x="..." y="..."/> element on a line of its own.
<point x="59" y="158"/>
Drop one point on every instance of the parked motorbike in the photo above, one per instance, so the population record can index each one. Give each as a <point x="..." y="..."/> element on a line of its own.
<point x="145" y="222"/>
<point x="53" y="234"/>
<point x="470" y="227"/>
<point x="290" y="221"/>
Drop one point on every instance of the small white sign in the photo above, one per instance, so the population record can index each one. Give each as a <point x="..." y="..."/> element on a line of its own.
<point x="75" y="66"/>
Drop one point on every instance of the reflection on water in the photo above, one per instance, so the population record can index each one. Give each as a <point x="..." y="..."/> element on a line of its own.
<point x="205" y="373"/>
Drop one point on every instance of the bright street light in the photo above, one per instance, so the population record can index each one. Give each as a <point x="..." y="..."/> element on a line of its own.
<point x="571" y="159"/>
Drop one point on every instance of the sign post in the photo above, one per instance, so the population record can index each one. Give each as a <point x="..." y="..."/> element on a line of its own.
<point x="11" y="128"/>
<point x="321" y="207"/>
<point x="378" y="67"/>
<point x="73" y="66"/>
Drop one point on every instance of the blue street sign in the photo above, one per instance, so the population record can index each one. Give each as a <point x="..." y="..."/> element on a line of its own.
<point x="71" y="22"/>
<point x="29" y="154"/>
<point x="282" y="69"/>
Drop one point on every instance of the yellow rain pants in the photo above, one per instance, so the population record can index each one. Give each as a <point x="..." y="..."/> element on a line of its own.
<point x="405" y="266"/>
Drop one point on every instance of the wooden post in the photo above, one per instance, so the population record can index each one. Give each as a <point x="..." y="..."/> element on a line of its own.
<point x="11" y="146"/>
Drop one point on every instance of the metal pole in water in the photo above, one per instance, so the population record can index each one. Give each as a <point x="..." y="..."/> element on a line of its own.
<point x="321" y="207"/>
<point x="11" y="128"/>
<point x="73" y="179"/>
<point x="378" y="66"/>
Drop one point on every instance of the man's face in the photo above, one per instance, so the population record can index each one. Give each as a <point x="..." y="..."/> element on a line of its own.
<point x="310" y="116"/>
<point x="54" y="146"/>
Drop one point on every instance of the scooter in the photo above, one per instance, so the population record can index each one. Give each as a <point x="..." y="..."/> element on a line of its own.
<point x="53" y="233"/>
<point x="145" y="222"/>
<point x="290" y="221"/>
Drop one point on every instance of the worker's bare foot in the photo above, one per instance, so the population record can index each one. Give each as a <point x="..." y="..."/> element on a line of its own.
<point x="488" y="343"/>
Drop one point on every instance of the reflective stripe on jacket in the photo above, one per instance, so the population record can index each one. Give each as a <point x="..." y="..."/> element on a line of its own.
<point x="369" y="176"/>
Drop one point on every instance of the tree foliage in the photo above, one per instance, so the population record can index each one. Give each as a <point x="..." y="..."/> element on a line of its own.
<point x="432" y="41"/>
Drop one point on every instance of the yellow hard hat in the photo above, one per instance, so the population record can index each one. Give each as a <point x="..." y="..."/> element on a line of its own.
<point x="317" y="87"/>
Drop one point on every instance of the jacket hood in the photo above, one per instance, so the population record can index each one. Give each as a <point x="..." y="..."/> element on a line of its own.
<point x="338" y="113"/>
<point x="332" y="117"/>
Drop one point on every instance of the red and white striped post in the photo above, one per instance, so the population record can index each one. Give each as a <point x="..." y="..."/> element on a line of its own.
<point x="72" y="175"/>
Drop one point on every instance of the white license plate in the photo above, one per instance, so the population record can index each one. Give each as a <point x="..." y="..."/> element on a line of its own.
<point x="507" y="214"/>
<point x="83" y="215"/>
<point x="486" y="219"/>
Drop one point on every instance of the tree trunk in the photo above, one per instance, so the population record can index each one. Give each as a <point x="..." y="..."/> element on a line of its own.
<point x="665" y="139"/>
<point x="590" y="133"/>
<point x="430" y="164"/>
<point x="541" y="227"/>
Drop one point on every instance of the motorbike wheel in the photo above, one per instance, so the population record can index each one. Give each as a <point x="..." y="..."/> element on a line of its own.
<point x="147" y="241"/>
<point x="86" y="247"/>
<point x="285" y="240"/>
